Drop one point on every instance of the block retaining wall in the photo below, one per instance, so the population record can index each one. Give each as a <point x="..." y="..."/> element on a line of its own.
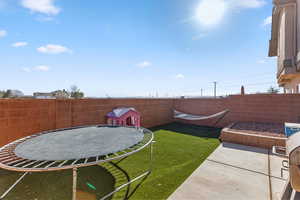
<point x="23" y="117"/>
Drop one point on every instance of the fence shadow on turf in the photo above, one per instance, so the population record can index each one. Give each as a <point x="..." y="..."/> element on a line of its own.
<point x="122" y="177"/>
<point x="189" y="129"/>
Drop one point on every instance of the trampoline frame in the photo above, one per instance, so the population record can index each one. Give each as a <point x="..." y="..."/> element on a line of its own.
<point x="10" y="161"/>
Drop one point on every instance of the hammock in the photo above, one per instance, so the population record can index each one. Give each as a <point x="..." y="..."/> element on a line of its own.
<point x="186" y="116"/>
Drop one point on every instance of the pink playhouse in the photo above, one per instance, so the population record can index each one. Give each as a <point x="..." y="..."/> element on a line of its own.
<point x="124" y="117"/>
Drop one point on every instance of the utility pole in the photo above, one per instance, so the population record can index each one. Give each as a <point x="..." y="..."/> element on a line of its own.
<point x="215" y="89"/>
<point x="201" y="92"/>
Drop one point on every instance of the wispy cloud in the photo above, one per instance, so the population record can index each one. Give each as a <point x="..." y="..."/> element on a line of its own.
<point x="262" y="61"/>
<point x="53" y="49"/>
<point x="26" y="69"/>
<point x="42" y="68"/>
<point x="144" y="64"/>
<point x="267" y="21"/>
<point x="19" y="44"/>
<point x="179" y="76"/>
<point x="248" y="3"/>
<point x="3" y="33"/>
<point x="41" y="6"/>
<point x="266" y="60"/>
<point x="199" y="36"/>
<point x="43" y="18"/>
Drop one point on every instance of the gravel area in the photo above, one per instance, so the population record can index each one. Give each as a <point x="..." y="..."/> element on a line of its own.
<point x="272" y="129"/>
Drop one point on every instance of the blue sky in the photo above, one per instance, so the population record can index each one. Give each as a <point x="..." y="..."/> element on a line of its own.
<point x="136" y="48"/>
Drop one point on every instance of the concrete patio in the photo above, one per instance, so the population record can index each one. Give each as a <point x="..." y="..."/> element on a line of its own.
<point x="235" y="172"/>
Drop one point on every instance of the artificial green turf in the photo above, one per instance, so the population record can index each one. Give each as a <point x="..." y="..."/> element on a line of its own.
<point x="178" y="151"/>
<point x="56" y="185"/>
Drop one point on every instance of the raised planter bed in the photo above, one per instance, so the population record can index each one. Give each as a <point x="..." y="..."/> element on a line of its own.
<point x="264" y="135"/>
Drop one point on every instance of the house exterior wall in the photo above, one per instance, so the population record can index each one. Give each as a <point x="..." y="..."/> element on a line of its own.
<point x="298" y="35"/>
<point x="285" y="42"/>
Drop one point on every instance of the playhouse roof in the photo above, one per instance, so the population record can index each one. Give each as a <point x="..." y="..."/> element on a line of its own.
<point x="118" y="112"/>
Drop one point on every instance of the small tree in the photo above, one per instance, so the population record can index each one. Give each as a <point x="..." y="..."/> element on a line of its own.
<point x="7" y="94"/>
<point x="76" y="93"/>
<point x="273" y="90"/>
<point x="2" y="93"/>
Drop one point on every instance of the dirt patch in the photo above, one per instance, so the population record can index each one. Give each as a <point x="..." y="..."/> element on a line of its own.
<point x="270" y="129"/>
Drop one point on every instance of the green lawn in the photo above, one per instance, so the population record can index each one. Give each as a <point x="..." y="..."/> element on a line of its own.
<point x="56" y="185"/>
<point x="178" y="151"/>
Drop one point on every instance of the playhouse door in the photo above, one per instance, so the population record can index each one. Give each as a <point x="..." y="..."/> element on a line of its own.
<point x="129" y="121"/>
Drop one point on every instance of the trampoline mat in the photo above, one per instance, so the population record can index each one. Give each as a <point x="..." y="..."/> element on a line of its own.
<point x="79" y="143"/>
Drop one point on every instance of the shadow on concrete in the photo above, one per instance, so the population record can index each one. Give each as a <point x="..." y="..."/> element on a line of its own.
<point x="245" y="148"/>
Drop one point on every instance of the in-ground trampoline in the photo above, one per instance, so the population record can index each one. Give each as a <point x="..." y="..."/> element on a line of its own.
<point x="72" y="148"/>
